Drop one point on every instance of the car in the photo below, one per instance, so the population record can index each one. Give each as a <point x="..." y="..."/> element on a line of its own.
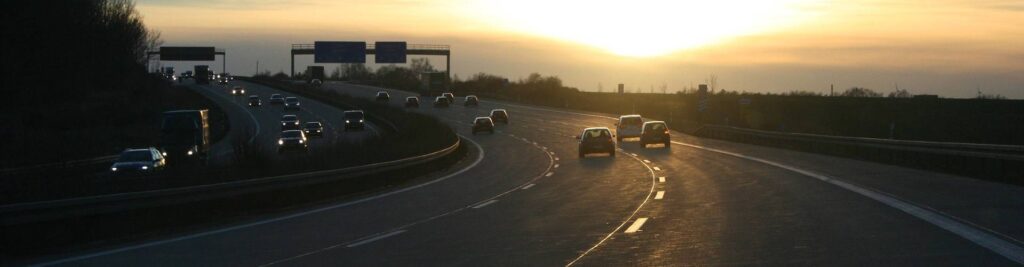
<point x="313" y="128"/>
<point x="354" y="119"/>
<point x="316" y="82"/>
<point x="143" y="160"/>
<point x="483" y="124"/>
<point x="222" y="81"/>
<point x="412" y="102"/>
<point x="441" y="102"/>
<point x="499" y="115"/>
<point x="255" y="101"/>
<point x="291" y="103"/>
<point x="449" y="96"/>
<point x="472" y="100"/>
<point x="227" y="76"/>
<point x="276" y="99"/>
<point x="596" y="140"/>
<point x="292" y="140"/>
<point x="238" y="90"/>
<point x="628" y="126"/>
<point x="655" y="132"/>
<point x="383" y="96"/>
<point x="290" y="122"/>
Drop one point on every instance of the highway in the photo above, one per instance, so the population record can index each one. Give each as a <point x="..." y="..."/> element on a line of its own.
<point x="523" y="197"/>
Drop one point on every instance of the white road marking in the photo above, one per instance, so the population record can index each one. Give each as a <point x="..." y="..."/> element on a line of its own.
<point x="556" y="157"/>
<point x="549" y="174"/>
<point x="660" y="195"/>
<point x="528" y="186"/>
<point x="634" y="154"/>
<point x="544" y="148"/>
<point x="657" y="169"/>
<point x="481" y="205"/>
<point x="647" y="161"/>
<point x="636" y="226"/>
<point x="476" y="162"/>
<point x="982" y="237"/>
<point x="661" y="179"/>
<point x="556" y="166"/>
<point x="360" y="243"/>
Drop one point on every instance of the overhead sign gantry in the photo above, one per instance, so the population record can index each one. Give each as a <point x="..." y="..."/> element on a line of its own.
<point x="355" y="52"/>
<point x="189" y="53"/>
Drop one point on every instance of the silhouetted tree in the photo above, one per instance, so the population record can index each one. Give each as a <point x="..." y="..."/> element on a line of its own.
<point x="860" y="92"/>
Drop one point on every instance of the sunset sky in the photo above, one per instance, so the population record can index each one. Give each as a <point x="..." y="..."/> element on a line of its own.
<point x="946" y="47"/>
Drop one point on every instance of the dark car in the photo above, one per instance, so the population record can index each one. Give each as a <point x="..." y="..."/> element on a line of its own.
<point x="255" y="101"/>
<point x="499" y="115"/>
<point x="471" y="100"/>
<point x="237" y="90"/>
<point x="483" y="124"/>
<point x="276" y="99"/>
<point x="291" y="103"/>
<point x="449" y="96"/>
<point x="313" y="128"/>
<point x="383" y="96"/>
<point x="655" y="132"/>
<point x="222" y="81"/>
<point x="292" y="140"/>
<point x="441" y="102"/>
<point x="139" y="161"/>
<point x="596" y="140"/>
<point x="290" y="122"/>
<point x="354" y="119"/>
<point x="412" y="102"/>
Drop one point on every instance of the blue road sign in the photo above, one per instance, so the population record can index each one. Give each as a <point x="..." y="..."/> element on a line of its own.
<point x="339" y="52"/>
<point x="390" y="52"/>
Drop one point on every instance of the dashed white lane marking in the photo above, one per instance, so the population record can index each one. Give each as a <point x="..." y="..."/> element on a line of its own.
<point x="979" y="235"/>
<point x="634" y="154"/>
<point x="636" y="225"/>
<point x="481" y="205"/>
<point x="657" y="169"/>
<point x="661" y="179"/>
<point x="360" y="243"/>
<point x="647" y="161"/>
<point x="535" y="143"/>
<point x="556" y="165"/>
<point x="549" y="174"/>
<point x="660" y="195"/>
<point x="528" y="186"/>
<point x="544" y="148"/>
<point x="556" y="157"/>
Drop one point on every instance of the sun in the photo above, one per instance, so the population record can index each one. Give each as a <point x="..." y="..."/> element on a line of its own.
<point x="640" y="28"/>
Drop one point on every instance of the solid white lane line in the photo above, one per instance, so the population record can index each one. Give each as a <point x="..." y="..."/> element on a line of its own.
<point x="661" y="179"/>
<point x="657" y="169"/>
<point x="549" y="174"/>
<point x="476" y="162"/>
<point x="983" y="237"/>
<point x="636" y="226"/>
<point x="360" y="243"/>
<point x="528" y="186"/>
<point x="660" y="195"/>
<point x="481" y="205"/>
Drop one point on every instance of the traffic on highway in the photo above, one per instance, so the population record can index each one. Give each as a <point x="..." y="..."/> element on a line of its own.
<point x="395" y="133"/>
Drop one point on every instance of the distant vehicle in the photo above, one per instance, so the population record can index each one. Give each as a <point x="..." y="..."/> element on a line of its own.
<point x="383" y="96"/>
<point x="655" y="132"/>
<point x="313" y="128"/>
<point x="292" y="140"/>
<point x="412" y="102"/>
<point x="237" y="90"/>
<point x="186" y="75"/>
<point x="441" y="102"/>
<point x="290" y="122"/>
<point x="185" y="136"/>
<point x="255" y="101"/>
<point x="354" y="120"/>
<point x="629" y="126"/>
<point x="449" y="96"/>
<point x="222" y="81"/>
<point x="483" y="124"/>
<point x="471" y="100"/>
<point x="316" y="82"/>
<point x="276" y="99"/>
<point x="291" y="103"/>
<point x="203" y="74"/>
<point x="227" y="76"/>
<point x="314" y="73"/>
<point x="139" y="161"/>
<point x="596" y="140"/>
<point x="499" y="115"/>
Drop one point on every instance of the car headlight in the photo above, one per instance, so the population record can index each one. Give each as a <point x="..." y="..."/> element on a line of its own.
<point x="163" y="153"/>
<point x="113" y="169"/>
<point x="300" y="141"/>
<point x="347" y="121"/>
<point x="190" y="152"/>
<point x="360" y="120"/>
<point x="243" y="91"/>
<point x="280" y="142"/>
<point x="284" y="124"/>
<point x="145" y="167"/>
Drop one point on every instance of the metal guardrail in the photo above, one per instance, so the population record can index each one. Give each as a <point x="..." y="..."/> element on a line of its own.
<point x="64" y="164"/>
<point x="21" y="213"/>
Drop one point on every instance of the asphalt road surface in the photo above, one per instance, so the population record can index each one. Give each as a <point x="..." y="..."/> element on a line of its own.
<point x="523" y="197"/>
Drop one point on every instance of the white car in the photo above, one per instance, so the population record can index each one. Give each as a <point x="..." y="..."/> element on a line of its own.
<point x="629" y="126"/>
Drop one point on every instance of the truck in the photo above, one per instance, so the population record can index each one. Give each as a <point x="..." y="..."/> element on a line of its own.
<point x="185" y="136"/>
<point x="433" y="83"/>
<point x="314" y="73"/>
<point x="202" y="74"/>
